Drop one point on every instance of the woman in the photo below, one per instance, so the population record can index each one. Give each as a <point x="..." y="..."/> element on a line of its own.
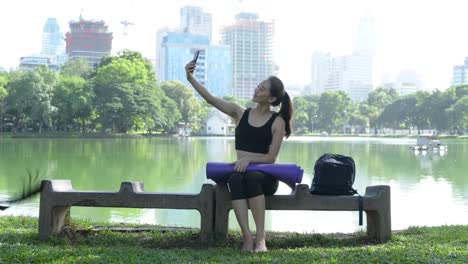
<point x="258" y="137"/>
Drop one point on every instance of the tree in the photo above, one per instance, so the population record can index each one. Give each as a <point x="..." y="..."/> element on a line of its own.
<point x="3" y="83"/>
<point x="134" y="57"/>
<point x="371" y="113"/>
<point x="76" y="67"/>
<point x="189" y="107"/>
<point x="400" y="113"/>
<point x="3" y="94"/>
<point x="332" y="110"/>
<point x="127" y="96"/>
<point x="127" y="106"/>
<point x="421" y="115"/>
<point x="305" y="112"/>
<point x="439" y="103"/>
<point x="382" y="97"/>
<point x="458" y="114"/>
<point x="377" y="100"/>
<point x="170" y="115"/>
<point x="74" y="99"/>
<point x="461" y="90"/>
<point x="29" y="98"/>
<point x="357" y="120"/>
<point x="300" y="117"/>
<point x="122" y="71"/>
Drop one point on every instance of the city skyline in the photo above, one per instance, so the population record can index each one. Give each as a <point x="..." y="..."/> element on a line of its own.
<point x="426" y="37"/>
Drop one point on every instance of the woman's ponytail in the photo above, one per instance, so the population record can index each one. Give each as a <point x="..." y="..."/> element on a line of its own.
<point x="286" y="111"/>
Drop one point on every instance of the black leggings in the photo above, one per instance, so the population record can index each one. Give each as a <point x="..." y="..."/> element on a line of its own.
<point x="250" y="184"/>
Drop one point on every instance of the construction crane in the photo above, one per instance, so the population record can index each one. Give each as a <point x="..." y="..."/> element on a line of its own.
<point x="126" y="24"/>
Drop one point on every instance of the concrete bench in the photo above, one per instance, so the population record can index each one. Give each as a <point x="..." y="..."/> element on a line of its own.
<point x="376" y="204"/>
<point x="57" y="196"/>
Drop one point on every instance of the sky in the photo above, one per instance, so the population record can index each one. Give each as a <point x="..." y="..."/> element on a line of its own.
<point x="429" y="37"/>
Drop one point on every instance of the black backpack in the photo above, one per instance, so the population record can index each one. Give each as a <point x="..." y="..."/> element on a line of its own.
<point x="334" y="175"/>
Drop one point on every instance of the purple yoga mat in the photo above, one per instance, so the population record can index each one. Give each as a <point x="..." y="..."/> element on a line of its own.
<point x="287" y="173"/>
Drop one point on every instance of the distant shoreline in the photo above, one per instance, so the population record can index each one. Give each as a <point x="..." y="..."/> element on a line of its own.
<point x="78" y="135"/>
<point x="119" y="135"/>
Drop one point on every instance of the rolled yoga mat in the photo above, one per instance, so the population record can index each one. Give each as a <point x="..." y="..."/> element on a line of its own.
<point x="288" y="173"/>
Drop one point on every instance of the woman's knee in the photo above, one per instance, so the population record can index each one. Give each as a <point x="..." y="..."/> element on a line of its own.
<point x="258" y="183"/>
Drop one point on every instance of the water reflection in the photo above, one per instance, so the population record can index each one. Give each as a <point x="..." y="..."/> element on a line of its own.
<point x="427" y="188"/>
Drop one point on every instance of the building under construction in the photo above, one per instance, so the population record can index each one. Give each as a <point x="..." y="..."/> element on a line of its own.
<point x="251" y="42"/>
<point x="87" y="39"/>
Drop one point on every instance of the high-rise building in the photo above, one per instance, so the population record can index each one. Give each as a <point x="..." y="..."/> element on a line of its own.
<point x="408" y="82"/>
<point x="159" y="65"/>
<point x="352" y="74"/>
<point x="88" y="39"/>
<point x="213" y="65"/>
<point x="52" y="39"/>
<point x="366" y="36"/>
<point x="251" y="42"/>
<point x="194" y="21"/>
<point x="320" y="71"/>
<point x="460" y="73"/>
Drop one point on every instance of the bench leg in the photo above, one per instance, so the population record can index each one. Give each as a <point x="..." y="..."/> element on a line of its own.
<point x="378" y="226"/>
<point x="52" y="220"/>
<point x="222" y="207"/>
<point x="206" y="213"/>
<point x="51" y="217"/>
<point x="379" y="222"/>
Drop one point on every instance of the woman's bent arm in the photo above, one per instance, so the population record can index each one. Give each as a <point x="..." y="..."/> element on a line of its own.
<point x="278" y="130"/>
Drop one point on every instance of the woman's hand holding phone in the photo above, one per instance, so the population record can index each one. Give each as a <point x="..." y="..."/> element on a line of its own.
<point x="190" y="67"/>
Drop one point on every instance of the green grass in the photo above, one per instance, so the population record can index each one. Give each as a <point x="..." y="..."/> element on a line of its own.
<point x="80" y="244"/>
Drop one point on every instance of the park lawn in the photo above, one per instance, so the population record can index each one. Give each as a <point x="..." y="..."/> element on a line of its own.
<point x="82" y="244"/>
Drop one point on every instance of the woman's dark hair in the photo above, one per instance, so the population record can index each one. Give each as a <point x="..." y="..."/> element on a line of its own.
<point x="277" y="90"/>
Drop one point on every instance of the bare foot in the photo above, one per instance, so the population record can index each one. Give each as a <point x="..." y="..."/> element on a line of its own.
<point x="248" y="244"/>
<point x="260" y="246"/>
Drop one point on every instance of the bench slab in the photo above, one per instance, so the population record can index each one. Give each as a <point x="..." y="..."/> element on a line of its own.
<point x="57" y="196"/>
<point x="376" y="204"/>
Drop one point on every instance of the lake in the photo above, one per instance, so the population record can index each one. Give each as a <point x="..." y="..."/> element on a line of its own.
<point x="427" y="188"/>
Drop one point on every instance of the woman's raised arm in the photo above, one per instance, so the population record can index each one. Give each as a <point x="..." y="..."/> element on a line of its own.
<point x="232" y="109"/>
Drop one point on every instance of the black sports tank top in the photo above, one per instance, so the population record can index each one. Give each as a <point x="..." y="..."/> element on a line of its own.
<point x="254" y="139"/>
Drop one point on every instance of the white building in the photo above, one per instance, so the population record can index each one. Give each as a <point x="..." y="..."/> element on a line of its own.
<point x="194" y="21"/>
<point x="218" y="124"/>
<point x="320" y="71"/>
<point x="31" y="62"/>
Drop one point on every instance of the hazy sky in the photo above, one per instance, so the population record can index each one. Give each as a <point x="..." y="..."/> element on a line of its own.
<point x="427" y="36"/>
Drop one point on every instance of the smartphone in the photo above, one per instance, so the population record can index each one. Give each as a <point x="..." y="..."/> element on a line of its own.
<point x="195" y="56"/>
